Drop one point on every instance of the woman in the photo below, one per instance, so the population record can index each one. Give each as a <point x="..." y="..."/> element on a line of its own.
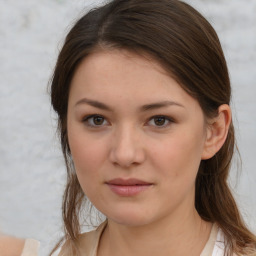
<point x="142" y="93"/>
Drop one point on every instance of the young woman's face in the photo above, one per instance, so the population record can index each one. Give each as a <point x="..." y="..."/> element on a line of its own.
<point x="136" y="138"/>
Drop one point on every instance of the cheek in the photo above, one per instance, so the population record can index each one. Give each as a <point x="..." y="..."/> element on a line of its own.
<point x="84" y="148"/>
<point x="87" y="158"/>
<point x="88" y="155"/>
<point x="179" y="156"/>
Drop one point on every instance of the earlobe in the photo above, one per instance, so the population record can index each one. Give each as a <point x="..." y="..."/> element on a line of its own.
<point x="217" y="132"/>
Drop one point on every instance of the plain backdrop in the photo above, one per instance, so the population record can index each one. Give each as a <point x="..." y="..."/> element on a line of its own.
<point x="32" y="172"/>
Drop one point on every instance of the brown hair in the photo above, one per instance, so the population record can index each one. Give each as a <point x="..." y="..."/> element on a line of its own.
<point x="186" y="45"/>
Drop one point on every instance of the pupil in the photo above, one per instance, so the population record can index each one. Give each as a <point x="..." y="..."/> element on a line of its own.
<point x="98" y="120"/>
<point x="159" y="121"/>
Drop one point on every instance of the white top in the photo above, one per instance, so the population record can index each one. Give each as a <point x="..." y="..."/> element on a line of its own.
<point x="218" y="249"/>
<point x="215" y="244"/>
<point x="30" y="248"/>
<point x="88" y="243"/>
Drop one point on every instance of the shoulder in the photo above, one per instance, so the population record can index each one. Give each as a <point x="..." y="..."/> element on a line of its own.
<point x="11" y="246"/>
<point x="87" y="243"/>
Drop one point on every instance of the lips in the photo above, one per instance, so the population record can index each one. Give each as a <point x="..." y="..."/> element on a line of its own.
<point x="129" y="182"/>
<point x="128" y="187"/>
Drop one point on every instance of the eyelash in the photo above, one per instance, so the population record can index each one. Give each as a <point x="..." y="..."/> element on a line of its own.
<point x="166" y="119"/>
<point x="89" y="118"/>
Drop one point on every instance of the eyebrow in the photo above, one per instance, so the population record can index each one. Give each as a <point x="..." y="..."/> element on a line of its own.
<point x="146" y="107"/>
<point x="94" y="103"/>
<point x="161" y="104"/>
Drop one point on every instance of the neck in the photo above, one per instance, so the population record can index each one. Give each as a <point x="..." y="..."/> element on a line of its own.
<point x="168" y="236"/>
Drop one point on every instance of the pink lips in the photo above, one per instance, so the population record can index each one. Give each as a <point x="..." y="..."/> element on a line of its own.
<point x="129" y="187"/>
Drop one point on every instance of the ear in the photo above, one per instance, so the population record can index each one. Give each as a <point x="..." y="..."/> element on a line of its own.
<point x="217" y="131"/>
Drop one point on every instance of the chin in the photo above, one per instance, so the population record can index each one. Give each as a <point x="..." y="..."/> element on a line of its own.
<point x="131" y="222"/>
<point x="132" y="219"/>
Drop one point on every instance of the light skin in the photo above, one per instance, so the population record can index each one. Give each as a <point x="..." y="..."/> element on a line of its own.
<point x="128" y="119"/>
<point x="11" y="246"/>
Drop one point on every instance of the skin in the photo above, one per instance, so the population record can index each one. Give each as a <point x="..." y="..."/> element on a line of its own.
<point x="146" y="127"/>
<point x="11" y="246"/>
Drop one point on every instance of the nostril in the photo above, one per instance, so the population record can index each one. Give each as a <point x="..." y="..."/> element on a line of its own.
<point x="126" y="149"/>
<point x="126" y="158"/>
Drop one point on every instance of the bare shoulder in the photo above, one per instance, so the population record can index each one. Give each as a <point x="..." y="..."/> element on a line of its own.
<point x="11" y="246"/>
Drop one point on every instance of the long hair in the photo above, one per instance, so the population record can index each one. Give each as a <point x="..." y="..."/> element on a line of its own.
<point x="185" y="44"/>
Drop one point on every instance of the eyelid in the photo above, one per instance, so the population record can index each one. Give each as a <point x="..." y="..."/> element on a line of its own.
<point x="167" y="118"/>
<point x="86" y="119"/>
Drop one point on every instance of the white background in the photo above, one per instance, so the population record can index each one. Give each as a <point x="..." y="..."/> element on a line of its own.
<point x="32" y="173"/>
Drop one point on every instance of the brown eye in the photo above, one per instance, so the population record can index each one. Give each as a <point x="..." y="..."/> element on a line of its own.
<point x="159" y="120"/>
<point x="98" y="120"/>
<point x="95" y="120"/>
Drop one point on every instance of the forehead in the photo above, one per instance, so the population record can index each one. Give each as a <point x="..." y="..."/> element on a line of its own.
<point x="106" y="65"/>
<point x="121" y="60"/>
<point x="119" y="74"/>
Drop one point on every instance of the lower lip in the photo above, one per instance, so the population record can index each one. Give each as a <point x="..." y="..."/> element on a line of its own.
<point x="131" y="190"/>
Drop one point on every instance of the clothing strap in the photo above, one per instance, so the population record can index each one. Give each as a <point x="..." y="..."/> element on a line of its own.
<point x="208" y="249"/>
<point x="30" y="248"/>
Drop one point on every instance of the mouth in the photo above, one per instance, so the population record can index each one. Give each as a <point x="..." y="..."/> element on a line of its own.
<point x="128" y="187"/>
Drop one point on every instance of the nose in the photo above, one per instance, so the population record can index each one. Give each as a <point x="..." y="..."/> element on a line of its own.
<point x="127" y="149"/>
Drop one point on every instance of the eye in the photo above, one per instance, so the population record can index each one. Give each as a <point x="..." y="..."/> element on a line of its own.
<point x="95" y="120"/>
<point x="160" y="121"/>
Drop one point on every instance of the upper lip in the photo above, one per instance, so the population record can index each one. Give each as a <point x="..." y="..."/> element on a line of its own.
<point x="127" y="182"/>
